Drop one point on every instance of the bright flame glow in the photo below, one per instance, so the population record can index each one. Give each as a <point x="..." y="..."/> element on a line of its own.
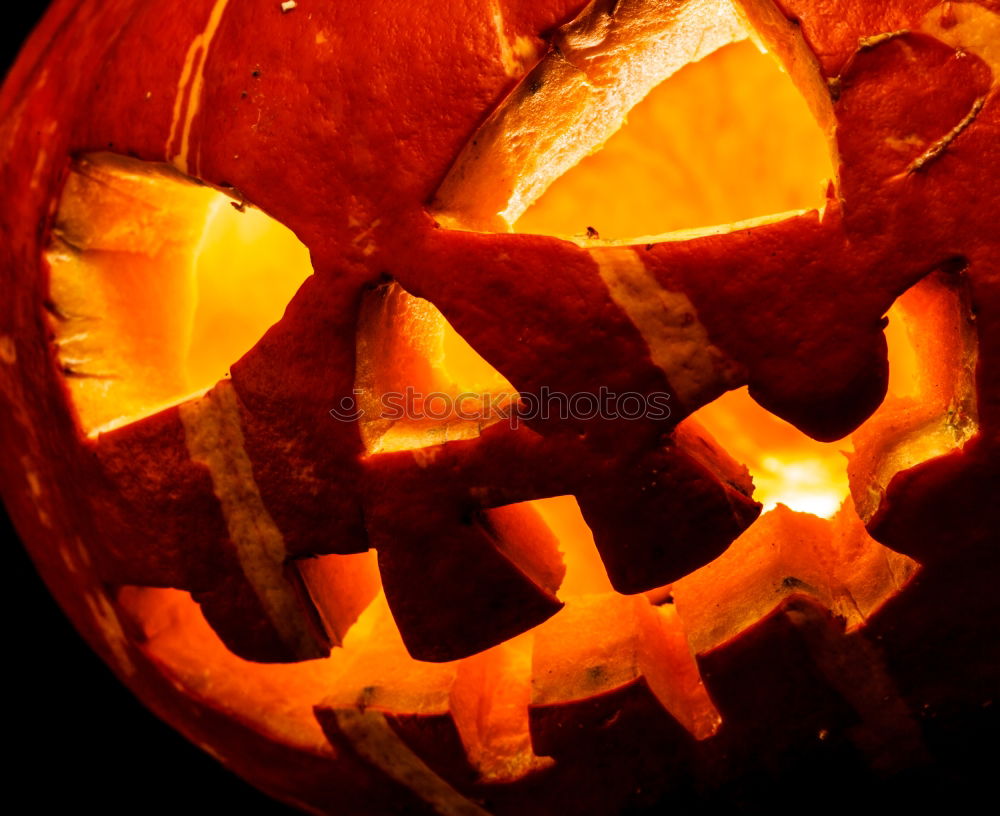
<point x="585" y="572"/>
<point x="805" y="486"/>
<point x="787" y="466"/>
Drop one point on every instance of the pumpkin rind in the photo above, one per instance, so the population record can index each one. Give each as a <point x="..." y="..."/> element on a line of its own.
<point x="345" y="145"/>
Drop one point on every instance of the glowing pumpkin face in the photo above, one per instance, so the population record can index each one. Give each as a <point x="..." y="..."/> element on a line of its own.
<point x="358" y="333"/>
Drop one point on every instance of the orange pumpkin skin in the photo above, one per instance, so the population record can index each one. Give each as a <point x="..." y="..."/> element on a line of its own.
<point x="352" y="114"/>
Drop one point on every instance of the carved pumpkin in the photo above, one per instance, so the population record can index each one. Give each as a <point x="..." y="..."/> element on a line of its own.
<point x="232" y="231"/>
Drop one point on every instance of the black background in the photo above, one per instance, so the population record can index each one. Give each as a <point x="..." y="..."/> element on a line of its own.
<point x="77" y="740"/>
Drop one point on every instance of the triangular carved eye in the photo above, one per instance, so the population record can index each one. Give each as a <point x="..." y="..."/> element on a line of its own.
<point x="726" y="139"/>
<point x="157" y="285"/>
<point x="419" y="383"/>
<point x="639" y="122"/>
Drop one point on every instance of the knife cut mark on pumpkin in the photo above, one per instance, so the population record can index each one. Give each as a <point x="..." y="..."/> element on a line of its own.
<point x="517" y="52"/>
<point x="190" y="87"/>
<point x="941" y="145"/>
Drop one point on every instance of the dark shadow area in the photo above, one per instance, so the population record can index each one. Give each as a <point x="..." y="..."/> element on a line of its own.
<point x="78" y="739"/>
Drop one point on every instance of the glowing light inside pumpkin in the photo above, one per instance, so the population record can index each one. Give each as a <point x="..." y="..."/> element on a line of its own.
<point x="929" y="410"/>
<point x="725" y="139"/>
<point x="158" y="285"/>
<point x="585" y="572"/>
<point x="832" y="560"/>
<point x="787" y="466"/>
<point x="773" y="162"/>
<point x="406" y="353"/>
<point x="931" y="407"/>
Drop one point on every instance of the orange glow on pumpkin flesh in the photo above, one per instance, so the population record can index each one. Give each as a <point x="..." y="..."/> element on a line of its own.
<point x="454" y="608"/>
<point x="406" y="342"/>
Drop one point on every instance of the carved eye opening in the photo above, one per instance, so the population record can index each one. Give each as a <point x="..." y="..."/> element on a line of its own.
<point x="158" y="284"/>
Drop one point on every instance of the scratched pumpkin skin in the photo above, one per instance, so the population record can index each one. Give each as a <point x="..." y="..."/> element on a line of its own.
<point x="381" y="136"/>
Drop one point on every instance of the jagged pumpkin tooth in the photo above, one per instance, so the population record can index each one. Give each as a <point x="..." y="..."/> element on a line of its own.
<point x="138" y="464"/>
<point x="667" y="512"/>
<point x="382" y="695"/>
<point x="481" y="576"/>
<point x="770" y="670"/>
<point x="784" y="553"/>
<point x="267" y="623"/>
<point x="341" y="587"/>
<point x="614" y="667"/>
<point x="489" y="701"/>
<point x="253" y="599"/>
<point x="811" y="684"/>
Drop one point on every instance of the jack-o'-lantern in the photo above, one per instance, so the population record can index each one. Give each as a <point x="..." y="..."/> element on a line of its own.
<point x="351" y="420"/>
